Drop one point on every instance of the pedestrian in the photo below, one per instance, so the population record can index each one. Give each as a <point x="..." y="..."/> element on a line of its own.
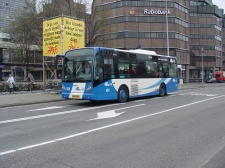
<point x="132" y="69"/>
<point x="30" y="80"/>
<point x="11" y="82"/>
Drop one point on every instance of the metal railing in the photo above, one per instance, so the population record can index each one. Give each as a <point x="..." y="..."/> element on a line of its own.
<point x="52" y="86"/>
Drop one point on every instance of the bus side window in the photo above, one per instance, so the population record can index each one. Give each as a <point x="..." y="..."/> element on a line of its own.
<point x="123" y="67"/>
<point x="154" y="69"/>
<point x="150" y="69"/>
<point x="172" y="70"/>
<point x="142" y="70"/>
<point x="109" y="70"/>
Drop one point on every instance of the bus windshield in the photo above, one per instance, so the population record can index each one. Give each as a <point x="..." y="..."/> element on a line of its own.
<point x="77" y="65"/>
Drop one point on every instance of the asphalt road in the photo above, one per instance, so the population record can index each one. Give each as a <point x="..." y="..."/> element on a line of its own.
<point x="183" y="130"/>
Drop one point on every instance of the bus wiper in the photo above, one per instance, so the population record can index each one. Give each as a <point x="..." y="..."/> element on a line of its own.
<point x="74" y="80"/>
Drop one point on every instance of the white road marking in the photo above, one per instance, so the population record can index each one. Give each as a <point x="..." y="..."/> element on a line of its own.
<point x="172" y="95"/>
<point x="198" y="94"/>
<point x="107" y="114"/>
<point x="49" y="108"/>
<point x="55" y="114"/>
<point x="25" y="105"/>
<point x="151" y="99"/>
<point x="139" y="100"/>
<point x="156" y="98"/>
<point x="104" y="127"/>
<point x="112" y="113"/>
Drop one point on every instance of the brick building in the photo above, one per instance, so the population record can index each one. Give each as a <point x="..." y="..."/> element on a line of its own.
<point x="192" y="25"/>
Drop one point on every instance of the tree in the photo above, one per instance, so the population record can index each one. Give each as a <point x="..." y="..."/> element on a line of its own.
<point x="25" y="33"/>
<point x="27" y="29"/>
<point x="95" y="27"/>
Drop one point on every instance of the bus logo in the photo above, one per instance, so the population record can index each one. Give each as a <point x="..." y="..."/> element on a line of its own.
<point x="107" y="84"/>
<point x="79" y="89"/>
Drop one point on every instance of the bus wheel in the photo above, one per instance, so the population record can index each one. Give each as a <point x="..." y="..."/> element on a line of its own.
<point x="162" y="90"/>
<point x="122" y="94"/>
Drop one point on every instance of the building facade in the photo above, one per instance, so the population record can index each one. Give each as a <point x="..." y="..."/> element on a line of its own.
<point x="205" y="38"/>
<point x="223" y="43"/>
<point x="9" y="9"/>
<point x="192" y="25"/>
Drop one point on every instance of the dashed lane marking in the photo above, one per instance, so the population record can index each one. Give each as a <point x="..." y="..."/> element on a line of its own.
<point x="105" y="127"/>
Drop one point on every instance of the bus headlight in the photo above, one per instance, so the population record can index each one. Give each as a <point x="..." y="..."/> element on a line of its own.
<point x="89" y="87"/>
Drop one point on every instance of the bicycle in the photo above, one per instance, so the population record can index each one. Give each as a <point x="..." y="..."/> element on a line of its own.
<point x="29" y="87"/>
<point x="47" y="87"/>
<point x="33" y="88"/>
<point x="4" y="88"/>
<point x="52" y="87"/>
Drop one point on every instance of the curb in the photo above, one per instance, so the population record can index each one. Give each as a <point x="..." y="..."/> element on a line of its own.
<point x="30" y="103"/>
<point x="196" y="86"/>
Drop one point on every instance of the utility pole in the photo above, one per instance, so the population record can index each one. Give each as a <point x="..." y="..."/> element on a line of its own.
<point x="202" y="68"/>
<point x="167" y="34"/>
<point x="1" y="61"/>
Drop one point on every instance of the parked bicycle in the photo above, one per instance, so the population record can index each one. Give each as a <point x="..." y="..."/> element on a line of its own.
<point x="52" y="87"/>
<point x="4" y="88"/>
<point x="28" y="87"/>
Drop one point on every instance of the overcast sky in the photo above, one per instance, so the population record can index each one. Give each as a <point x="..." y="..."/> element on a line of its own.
<point x="219" y="3"/>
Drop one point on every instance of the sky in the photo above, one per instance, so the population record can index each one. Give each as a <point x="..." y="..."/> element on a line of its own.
<point x="219" y="3"/>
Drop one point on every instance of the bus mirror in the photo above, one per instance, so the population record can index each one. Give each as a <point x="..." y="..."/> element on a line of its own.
<point x="58" y="60"/>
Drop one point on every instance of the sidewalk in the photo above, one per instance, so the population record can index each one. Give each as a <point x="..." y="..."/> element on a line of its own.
<point x="8" y="100"/>
<point x="12" y="99"/>
<point x="199" y="85"/>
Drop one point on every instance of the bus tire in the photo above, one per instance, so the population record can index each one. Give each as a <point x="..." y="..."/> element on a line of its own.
<point x="162" y="90"/>
<point x="123" y="94"/>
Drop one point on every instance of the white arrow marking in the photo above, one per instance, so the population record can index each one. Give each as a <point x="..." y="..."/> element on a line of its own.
<point x="55" y="114"/>
<point x="106" y="126"/>
<point x="49" y="108"/>
<point x="107" y="114"/>
<point x="112" y="113"/>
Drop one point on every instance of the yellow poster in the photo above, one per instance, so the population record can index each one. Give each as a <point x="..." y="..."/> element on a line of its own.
<point x="52" y="37"/>
<point x="73" y="34"/>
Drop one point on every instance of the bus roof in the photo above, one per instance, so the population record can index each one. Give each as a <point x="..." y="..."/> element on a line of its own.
<point x="140" y="51"/>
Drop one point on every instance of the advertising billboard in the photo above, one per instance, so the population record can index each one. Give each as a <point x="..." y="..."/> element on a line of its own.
<point x="52" y="37"/>
<point x="73" y="33"/>
<point x="62" y="34"/>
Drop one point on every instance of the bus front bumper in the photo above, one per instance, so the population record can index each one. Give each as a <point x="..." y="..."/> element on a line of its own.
<point x="89" y="96"/>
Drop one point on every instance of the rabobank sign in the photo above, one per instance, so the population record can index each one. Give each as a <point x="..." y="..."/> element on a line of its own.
<point x="156" y="12"/>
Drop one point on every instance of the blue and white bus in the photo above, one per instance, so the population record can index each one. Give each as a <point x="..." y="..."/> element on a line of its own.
<point x="99" y="73"/>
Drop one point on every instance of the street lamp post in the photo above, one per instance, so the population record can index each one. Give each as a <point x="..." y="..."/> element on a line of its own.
<point x="202" y="66"/>
<point x="167" y="34"/>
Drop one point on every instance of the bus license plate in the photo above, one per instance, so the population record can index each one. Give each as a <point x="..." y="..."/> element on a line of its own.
<point x="76" y="96"/>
